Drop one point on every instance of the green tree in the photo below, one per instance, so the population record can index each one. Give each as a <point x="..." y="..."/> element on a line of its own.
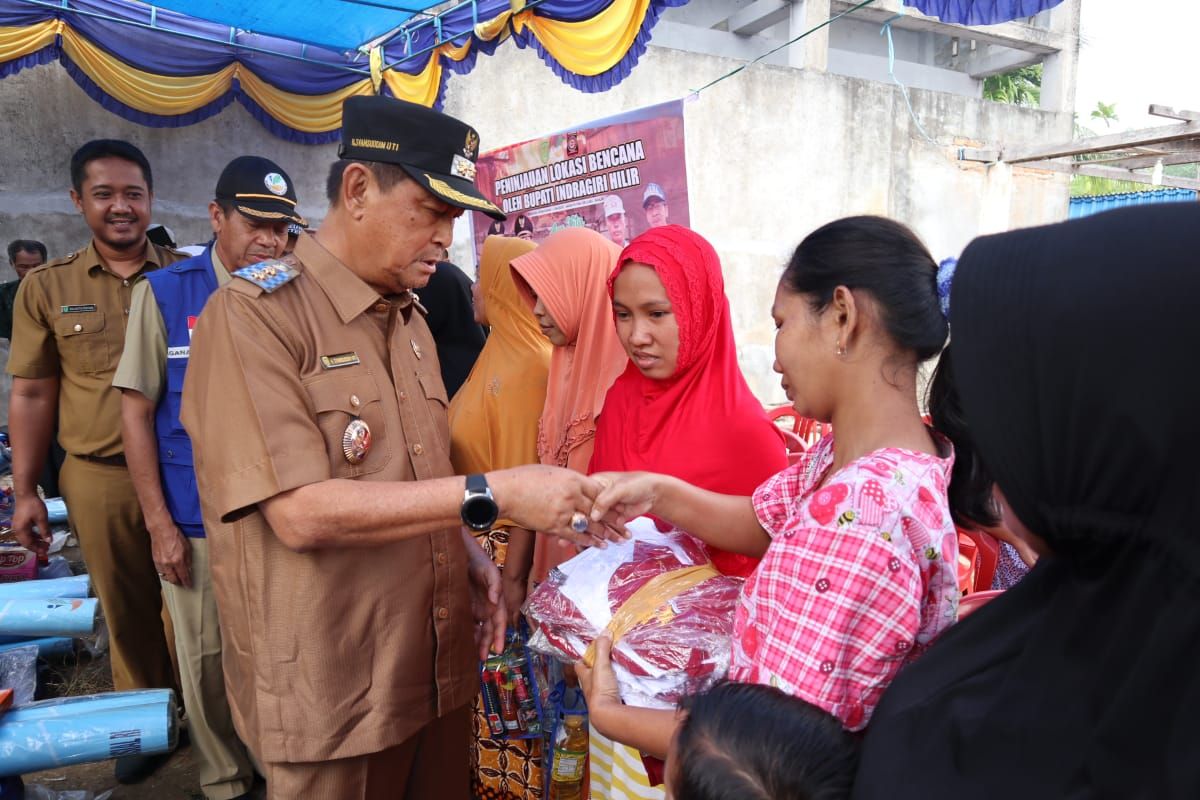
<point x="1106" y="113"/>
<point x="1022" y="87"/>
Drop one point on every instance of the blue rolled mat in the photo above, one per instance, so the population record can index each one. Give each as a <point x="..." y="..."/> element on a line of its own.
<point x="91" y="703"/>
<point x="74" y="586"/>
<point x="48" y="647"/>
<point x="48" y="617"/>
<point x="89" y="729"/>
<point x="56" y="510"/>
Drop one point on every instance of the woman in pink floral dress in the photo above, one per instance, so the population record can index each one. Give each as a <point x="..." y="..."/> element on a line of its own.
<point x="858" y="548"/>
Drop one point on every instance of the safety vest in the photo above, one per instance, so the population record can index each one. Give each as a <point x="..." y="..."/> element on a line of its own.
<point x="181" y="291"/>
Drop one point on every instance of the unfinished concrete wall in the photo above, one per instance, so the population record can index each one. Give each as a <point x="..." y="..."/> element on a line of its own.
<point x="772" y="153"/>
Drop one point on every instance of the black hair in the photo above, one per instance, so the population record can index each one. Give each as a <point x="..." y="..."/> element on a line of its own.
<point x="26" y="246"/>
<point x="522" y="223"/>
<point x="885" y="259"/>
<point x="388" y="175"/>
<point x="107" y="148"/>
<point x="744" y="741"/>
<point x="970" y="490"/>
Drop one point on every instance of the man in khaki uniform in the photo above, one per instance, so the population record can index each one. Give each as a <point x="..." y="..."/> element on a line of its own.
<point x="250" y="215"/>
<point x="68" y="334"/>
<point x="345" y="582"/>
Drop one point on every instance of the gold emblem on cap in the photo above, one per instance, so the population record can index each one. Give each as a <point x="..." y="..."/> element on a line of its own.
<point x="356" y="441"/>
<point x="448" y="192"/>
<point x="471" y="147"/>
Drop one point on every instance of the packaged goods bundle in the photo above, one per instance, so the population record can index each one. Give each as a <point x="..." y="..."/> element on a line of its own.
<point x="512" y="697"/>
<point x="668" y="610"/>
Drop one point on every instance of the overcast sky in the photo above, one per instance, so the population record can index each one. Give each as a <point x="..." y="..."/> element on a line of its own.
<point x="1135" y="54"/>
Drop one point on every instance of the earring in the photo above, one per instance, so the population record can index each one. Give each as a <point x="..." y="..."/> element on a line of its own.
<point x="841" y="351"/>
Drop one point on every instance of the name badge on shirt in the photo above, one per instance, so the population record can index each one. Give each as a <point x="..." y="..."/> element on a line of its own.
<point x="80" y="309"/>
<point x="340" y="360"/>
<point x="178" y="352"/>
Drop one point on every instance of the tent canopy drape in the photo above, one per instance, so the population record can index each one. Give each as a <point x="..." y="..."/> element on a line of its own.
<point x="291" y="63"/>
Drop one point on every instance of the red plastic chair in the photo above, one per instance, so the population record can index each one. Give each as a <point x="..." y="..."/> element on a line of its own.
<point x="973" y="602"/>
<point x="986" y="555"/>
<point x="808" y="430"/>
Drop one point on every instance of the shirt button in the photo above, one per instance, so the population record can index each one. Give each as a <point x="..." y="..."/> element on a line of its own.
<point x="441" y="559"/>
<point x="127" y="312"/>
<point x="125" y="282"/>
<point x="404" y="395"/>
<point x="354" y="401"/>
<point x="443" y="613"/>
<point x="826" y="667"/>
<point x="417" y="449"/>
<point x="823" y="585"/>
<point x="78" y="327"/>
<point x="381" y="307"/>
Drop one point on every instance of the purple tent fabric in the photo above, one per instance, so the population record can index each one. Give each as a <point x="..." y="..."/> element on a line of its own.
<point x="980" y="12"/>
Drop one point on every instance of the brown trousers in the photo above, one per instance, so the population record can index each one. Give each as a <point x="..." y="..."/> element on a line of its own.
<point x="431" y="765"/>
<point x="106" y="517"/>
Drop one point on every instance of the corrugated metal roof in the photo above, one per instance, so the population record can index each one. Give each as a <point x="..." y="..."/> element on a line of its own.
<point x="1086" y="206"/>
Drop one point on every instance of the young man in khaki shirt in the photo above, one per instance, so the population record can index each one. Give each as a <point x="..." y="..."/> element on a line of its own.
<point x="345" y="582"/>
<point x="68" y="334"/>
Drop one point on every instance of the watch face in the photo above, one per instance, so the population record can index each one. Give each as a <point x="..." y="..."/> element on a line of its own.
<point x="479" y="512"/>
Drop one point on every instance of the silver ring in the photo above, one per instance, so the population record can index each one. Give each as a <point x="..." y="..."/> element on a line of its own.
<point x="579" y="523"/>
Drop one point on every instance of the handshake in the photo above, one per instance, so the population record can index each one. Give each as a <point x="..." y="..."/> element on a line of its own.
<point x="588" y="510"/>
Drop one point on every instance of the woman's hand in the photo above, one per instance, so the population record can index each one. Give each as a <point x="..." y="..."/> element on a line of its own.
<point x="599" y="684"/>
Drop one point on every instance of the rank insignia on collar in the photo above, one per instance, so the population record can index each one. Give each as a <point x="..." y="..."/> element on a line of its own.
<point x="267" y="275"/>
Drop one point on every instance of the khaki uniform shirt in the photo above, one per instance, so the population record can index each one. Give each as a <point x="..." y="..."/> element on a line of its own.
<point x="69" y="322"/>
<point x="332" y="653"/>
<point x="143" y="365"/>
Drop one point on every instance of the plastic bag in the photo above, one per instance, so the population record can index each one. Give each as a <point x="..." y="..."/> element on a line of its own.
<point x="38" y="792"/>
<point x="670" y="612"/>
<point x="18" y="671"/>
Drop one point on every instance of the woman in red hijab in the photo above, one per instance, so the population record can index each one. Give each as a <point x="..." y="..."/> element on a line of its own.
<point x="682" y="406"/>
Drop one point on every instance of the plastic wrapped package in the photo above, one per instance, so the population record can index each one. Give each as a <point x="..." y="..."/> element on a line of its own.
<point x="57" y="616"/>
<point x="75" y="730"/>
<point x="670" y="613"/>
<point x="72" y="586"/>
<point x="18" y="671"/>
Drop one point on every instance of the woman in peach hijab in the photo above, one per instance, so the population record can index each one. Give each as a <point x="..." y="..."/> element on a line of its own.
<point x="565" y="284"/>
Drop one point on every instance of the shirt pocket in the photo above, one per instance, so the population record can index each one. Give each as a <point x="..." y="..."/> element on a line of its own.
<point x="439" y="404"/>
<point x="82" y="341"/>
<point x="338" y="401"/>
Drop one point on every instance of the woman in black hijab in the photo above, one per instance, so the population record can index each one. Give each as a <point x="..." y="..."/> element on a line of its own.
<point x="1074" y="352"/>
<point x="451" y="320"/>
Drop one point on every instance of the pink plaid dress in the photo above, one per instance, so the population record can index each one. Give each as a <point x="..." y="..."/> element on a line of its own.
<point x="859" y="578"/>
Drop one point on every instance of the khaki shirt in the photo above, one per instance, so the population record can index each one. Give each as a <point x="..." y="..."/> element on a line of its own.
<point x="332" y="653"/>
<point x="69" y="322"/>
<point x="143" y="365"/>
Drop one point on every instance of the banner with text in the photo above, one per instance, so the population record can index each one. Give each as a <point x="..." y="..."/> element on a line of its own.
<point x="618" y="176"/>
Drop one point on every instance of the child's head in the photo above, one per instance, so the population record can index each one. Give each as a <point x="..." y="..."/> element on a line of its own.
<point x="743" y="741"/>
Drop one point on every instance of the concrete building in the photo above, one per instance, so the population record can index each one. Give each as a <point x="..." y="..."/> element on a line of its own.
<point x="817" y="131"/>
